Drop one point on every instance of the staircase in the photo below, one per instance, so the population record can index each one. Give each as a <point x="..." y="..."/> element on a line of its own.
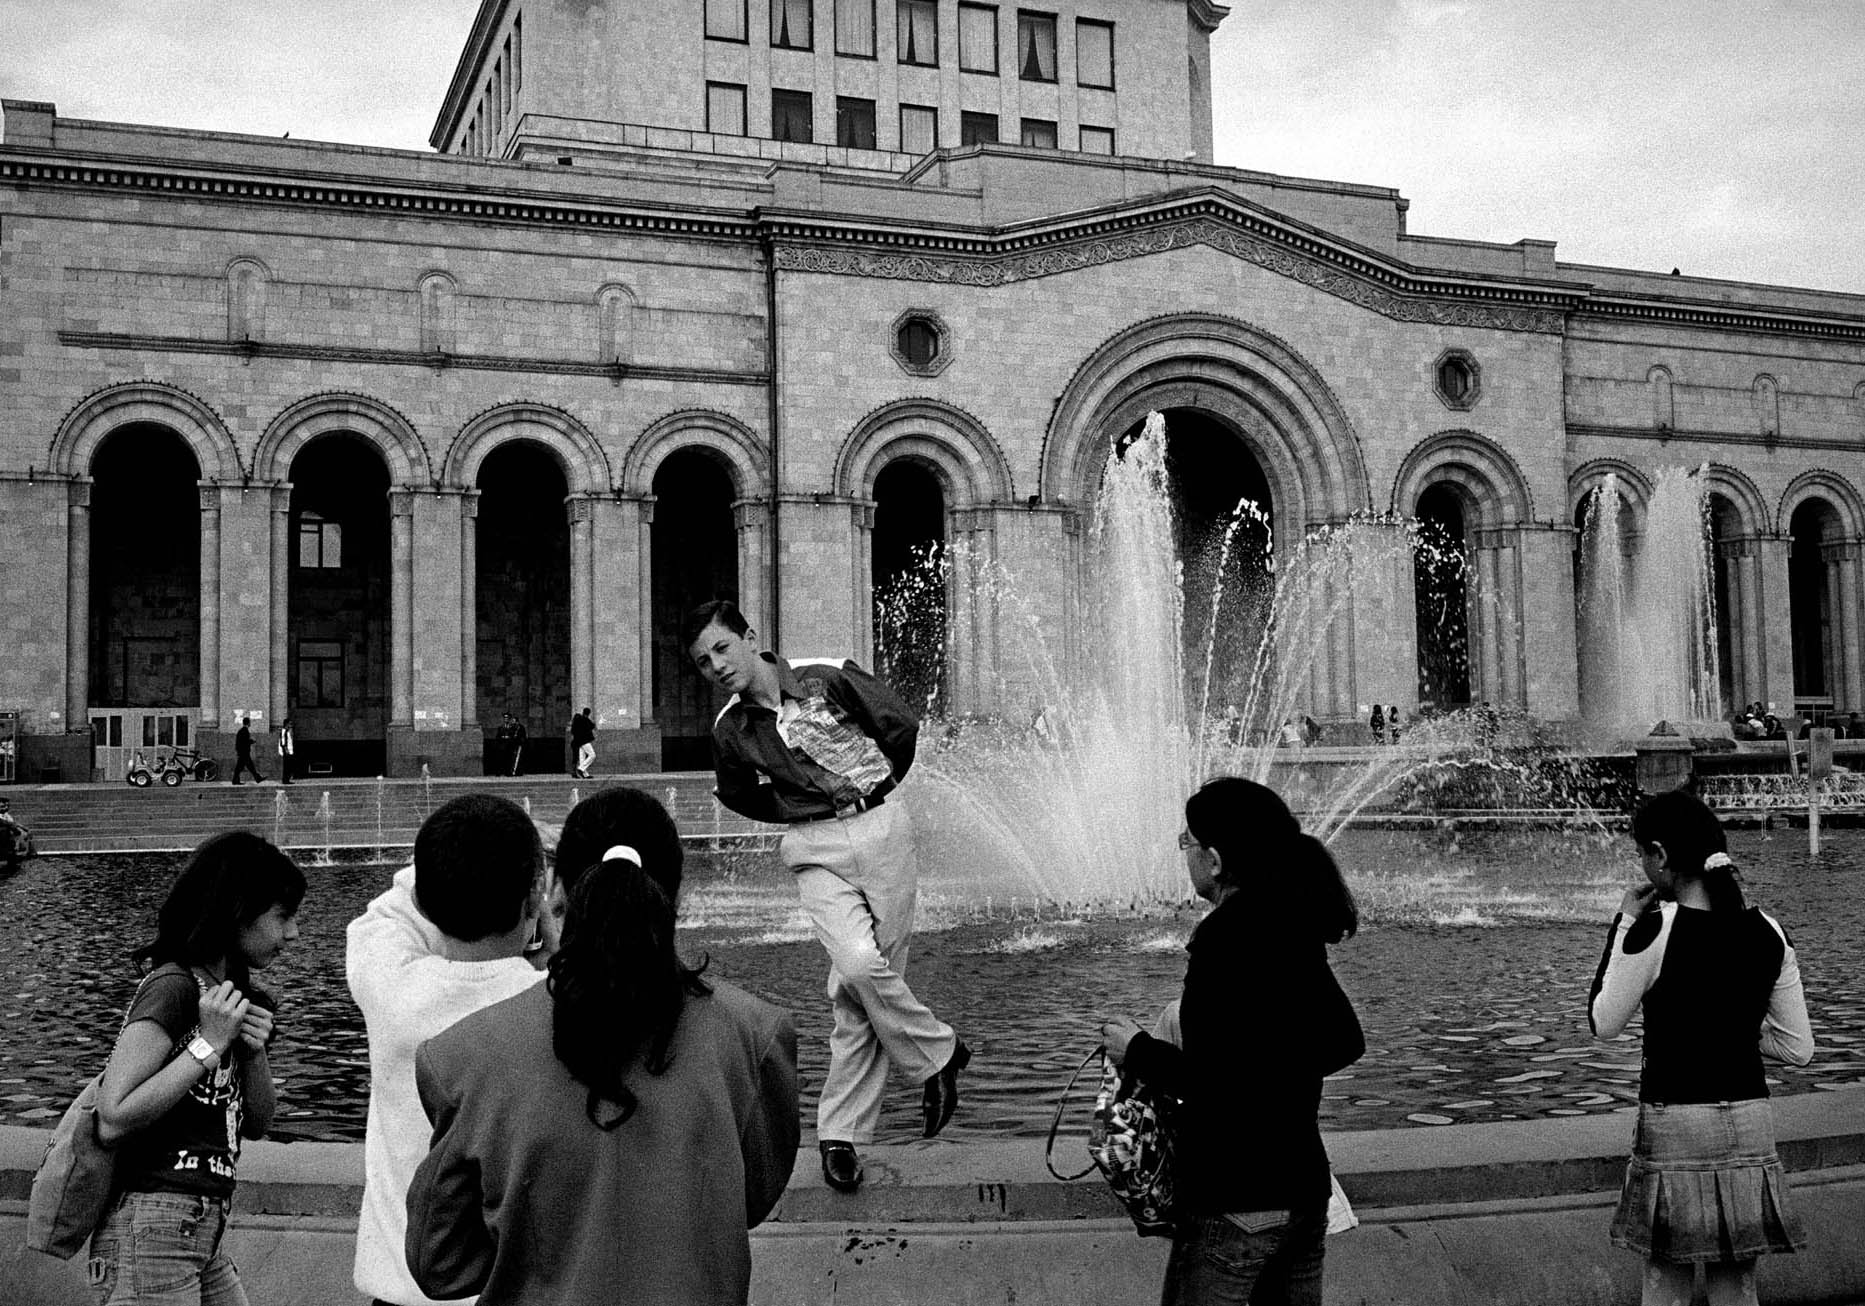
<point x="318" y="814"/>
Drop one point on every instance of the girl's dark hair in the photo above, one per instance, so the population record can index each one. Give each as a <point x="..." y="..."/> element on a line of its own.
<point x="1690" y="834"/>
<point x="617" y="987"/>
<point x="621" y="816"/>
<point x="1249" y="826"/>
<point x="230" y="881"/>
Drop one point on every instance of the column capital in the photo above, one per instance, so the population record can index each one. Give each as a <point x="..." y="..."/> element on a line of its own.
<point x="210" y="495"/>
<point x="78" y="492"/>
<point x="401" y="501"/>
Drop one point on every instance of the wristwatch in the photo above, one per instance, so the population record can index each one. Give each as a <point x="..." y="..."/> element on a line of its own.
<point x="203" y="1051"/>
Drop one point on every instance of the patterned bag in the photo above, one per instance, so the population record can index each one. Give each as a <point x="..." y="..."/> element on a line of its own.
<point x="1129" y="1142"/>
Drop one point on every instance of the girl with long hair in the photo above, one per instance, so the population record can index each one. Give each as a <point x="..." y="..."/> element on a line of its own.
<point x="1262" y="1020"/>
<point x="626" y="1122"/>
<point x="189" y="1078"/>
<point x="1719" y="983"/>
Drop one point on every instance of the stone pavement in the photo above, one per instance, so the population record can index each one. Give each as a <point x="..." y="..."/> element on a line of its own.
<point x="1495" y="1215"/>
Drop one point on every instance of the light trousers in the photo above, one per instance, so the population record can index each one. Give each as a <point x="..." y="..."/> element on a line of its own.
<point x="858" y="882"/>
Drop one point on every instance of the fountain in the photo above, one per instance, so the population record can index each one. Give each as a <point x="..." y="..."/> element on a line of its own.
<point x="324" y="817"/>
<point x="279" y="804"/>
<point x="381" y="843"/>
<point x="1647" y="608"/>
<point x="427" y="792"/>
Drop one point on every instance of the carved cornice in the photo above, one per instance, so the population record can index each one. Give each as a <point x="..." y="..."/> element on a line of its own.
<point x="1724" y="317"/>
<point x="1753" y="438"/>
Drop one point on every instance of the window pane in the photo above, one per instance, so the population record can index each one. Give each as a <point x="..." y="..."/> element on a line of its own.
<point x="854" y="123"/>
<point x="100" y="732"/>
<point x="725" y="109"/>
<point x="165" y="732"/>
<point x="919" y="129"/>
<point x="1036" y="47"/>
<point x="116" y="732"/>
<point x="1097" y="140"/>
<point x="148" y="732"/>
<point x="977" y="38"/>
<point x="977" y="129"/>
<point x="1039" y="132"/>
<point x="854" y="27"/>
<point x="1094" y="53"/>
<point x="790" y="116"/>
<point x="790" y="24"/>
<point x="918" y="37"/>
<point x="181" y="731"/>
<point x="725" y="19"/>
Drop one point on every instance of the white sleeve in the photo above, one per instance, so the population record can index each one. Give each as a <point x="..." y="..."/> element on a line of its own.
<point x="1626" y="974"/>
<point x="1786" y="1033"/>
<point x="390" y="936"/>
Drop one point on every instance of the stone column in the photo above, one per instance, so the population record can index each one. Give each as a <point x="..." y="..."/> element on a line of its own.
<point x="436" y="607"/>
<point x="1385" y="616"/>
<point x="582" y="598"/>
<point x="1548" y="640"/>
<point x="469" y="609"/>
<point x="816" y="577"/>
<point x="78" y="613"/>
<point x="861" y="566"/>
<point x="401" y="608"/>
<point x="210" y="607"/>
<point x="1484" y="624"/>
<point x="616" y="666"/>
<point x="644" y="606"/>
<point x="1734" y="554"/>
<point x="1842" y="570"/>
<point x="1776" y="624"/>
<point x="752" y="518"/>
<point x="281" y="600"/>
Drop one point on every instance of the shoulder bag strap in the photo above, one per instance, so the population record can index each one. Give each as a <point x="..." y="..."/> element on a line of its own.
<point x="1056" y="1124"/>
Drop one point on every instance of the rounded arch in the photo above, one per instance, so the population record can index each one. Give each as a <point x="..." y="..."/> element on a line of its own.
<point x="968" y="463"/>
<point x="391" y="433"/>
<point x="585" y="467"/>
<point x="1490" y="482"/>
<point x="724" y="437"/>
<point x="75" y="443"/>
<point x="1734" y="486"/>
<point x="1584" y="479"/>
<point x="1819" y="483"/>
<point x="1252" y="381"/>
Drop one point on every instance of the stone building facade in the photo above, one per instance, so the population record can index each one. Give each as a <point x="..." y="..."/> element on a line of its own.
<point x="395" y="443"/>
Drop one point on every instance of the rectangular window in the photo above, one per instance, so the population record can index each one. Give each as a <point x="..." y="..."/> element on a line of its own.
<point x="917" y="41"/>
<point x="854" y="123"/>
<point x="1094" y="53"/>
<point x="919" y="129"/>
<point x="320" y="673"/>
<point x="854" y="28"/>
<point x="1036" y="46"/>
<point x="320" y="542"/>
<point x="1039" y="132"/>
<point x="977" y="129"/>
<point x="1097" y="140"/>
<point x="725" y="109"/>
<point x="492" y="98"/>
<point x="518" y="54"/>
<point x="790" y="116"/>
<point x="791" y="25"/>
<point x="725" y="20"/>
<point x="977" y="38"/>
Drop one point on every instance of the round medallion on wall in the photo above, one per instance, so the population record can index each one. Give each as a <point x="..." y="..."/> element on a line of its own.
<point x="1457" y="379"/>
<point x="921" y="343"/>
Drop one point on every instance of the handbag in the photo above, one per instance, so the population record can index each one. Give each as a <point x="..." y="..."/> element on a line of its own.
<point x="71" y="1190"/>
<point x="1129" y="1142"/>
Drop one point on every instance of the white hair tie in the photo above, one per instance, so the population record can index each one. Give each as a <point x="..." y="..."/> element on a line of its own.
<point x="1717" y="861"/>
<point x="624" y="852"/>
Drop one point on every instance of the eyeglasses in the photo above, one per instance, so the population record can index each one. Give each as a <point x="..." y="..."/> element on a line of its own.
<point x="1187" y="841"/>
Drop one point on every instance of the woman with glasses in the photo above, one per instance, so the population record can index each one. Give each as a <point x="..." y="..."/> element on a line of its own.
<point x="1261" y="1021"/>
<point x="1720" y="987"/>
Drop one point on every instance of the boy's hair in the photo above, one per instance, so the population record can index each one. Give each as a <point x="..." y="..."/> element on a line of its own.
<point x="723" y="611"/>
<point x="476" y="859"/>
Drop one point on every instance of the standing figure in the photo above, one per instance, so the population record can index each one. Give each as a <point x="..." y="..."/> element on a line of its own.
<point x="188" y="1078"/>
<point x="1261" y="1021"/>
<point x="820" y="746"/>
<point x="243" y="752"/>
<point x="1720" y="986"/>
<point x="287" y="745"/>
<point x="1377" y="724"/>
<point x="1233" y="725"/>
<point x="1392" y="723"/>
<point x="612" y="1134"/>
<point x="518" y="747"/>
<point x="583" y="744"/>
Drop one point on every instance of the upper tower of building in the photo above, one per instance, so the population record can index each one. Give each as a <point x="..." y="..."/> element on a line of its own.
<point x="550" y="78"/>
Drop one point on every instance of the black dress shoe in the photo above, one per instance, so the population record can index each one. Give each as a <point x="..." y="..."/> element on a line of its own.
<point x="841" y="1168"/>
<point x="940" y="1098"/>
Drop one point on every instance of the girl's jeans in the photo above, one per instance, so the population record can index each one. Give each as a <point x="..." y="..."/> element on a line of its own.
<point x="1275" y="1262"/>
<point x="163" y="1249"/>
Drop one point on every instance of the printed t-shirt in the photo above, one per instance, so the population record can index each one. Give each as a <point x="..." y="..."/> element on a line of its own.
<point x="195" y="1147"/>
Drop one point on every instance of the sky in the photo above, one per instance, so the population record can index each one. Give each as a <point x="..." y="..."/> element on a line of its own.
<point x="1721" y="137"/>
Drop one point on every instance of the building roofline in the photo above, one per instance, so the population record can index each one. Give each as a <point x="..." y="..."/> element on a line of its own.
<point x="466" y="71"/>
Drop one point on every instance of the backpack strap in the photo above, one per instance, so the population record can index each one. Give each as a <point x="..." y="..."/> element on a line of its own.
<point x="1055" y="1125"/>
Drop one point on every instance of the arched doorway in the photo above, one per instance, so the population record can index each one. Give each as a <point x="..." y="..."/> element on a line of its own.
<point x="145" y="595"/>
<point x="337" y="623"/>
<point x="910" y="580"/>
<point x="1440" y="585"/>
<point x="1812" y="604"/>
<point x="521" y="598"/>
<point x="695" y="558"/>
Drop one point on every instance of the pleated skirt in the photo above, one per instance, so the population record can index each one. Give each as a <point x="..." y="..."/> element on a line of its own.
<point x="1705" y="1184"/>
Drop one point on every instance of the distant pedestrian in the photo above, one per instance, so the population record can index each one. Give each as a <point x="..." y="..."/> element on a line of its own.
<point x="287" y="746"/>
<point x="1720" y="986"/>
<point x="243" y="752"/>
<point x="15" y="839"/>
<point x="583" y="744"/>
<point x="1392" y="722"/>
<point x="513" y="732"/>
<point x="1233" y="725"/>
<point x="1377" y="724"/>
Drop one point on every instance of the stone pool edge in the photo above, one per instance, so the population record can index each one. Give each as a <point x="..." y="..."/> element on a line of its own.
<point x="1501" y="1212"/>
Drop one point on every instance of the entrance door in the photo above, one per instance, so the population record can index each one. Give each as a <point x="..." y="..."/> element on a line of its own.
<point x="109" y="758"/>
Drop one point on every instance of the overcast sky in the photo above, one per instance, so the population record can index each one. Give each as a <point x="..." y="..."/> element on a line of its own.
<point x="1723" y="137"/>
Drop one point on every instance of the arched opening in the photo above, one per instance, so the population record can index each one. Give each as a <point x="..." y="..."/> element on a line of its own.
<point x="1725" y="525"/>
<point x="1811" y="601"/>
<point x="909" y="583"/>
<point x="1440" y="570"/>
<point x="337" y="642"/>
<point x="521" y="601"/>
<point x="695" y="547"/>
<point x="145" y="601"/>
